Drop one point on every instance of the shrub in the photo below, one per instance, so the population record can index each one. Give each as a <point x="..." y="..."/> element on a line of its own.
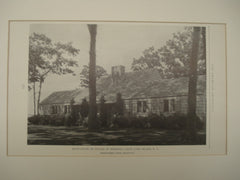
<point x="56" y="120"/>
<point x="157" y="121"/>
<point x="85" y="122"/>
<point x="38" y="119"/>
<point x="84" y="108"/>
<point x="138" y="122"/>
<point x="59" y="120"/>
<point x="129" y="122"/>
<point x="120" y="121"/>
<point x="67" y="121"/>
<point x="176" y="121"/>
<point x="103" y="115"/>
<point x="43" y="120"/>
<point x="34" y="119"/>
<point x="133" y="121"/>
<point x="119" y="105"/>
<point x="70" y="120"/>
<point x="180" y="121"/>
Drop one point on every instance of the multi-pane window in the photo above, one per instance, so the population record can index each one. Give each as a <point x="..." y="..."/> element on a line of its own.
<point x="139" y="106"/>
<point x="142" y="106"/>
<point x="169" y="105"/>
<point x="56" y="109"/>
<point x="172" y="105"/>
<point x="67" y="109"/>
<point x="166" y="105"/>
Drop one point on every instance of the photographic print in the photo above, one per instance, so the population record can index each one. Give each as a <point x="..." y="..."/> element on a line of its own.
<point x="116" y="84"/>
<point x="116" y="88"/>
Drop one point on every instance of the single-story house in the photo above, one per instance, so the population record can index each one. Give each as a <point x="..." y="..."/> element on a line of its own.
<point x="143" y="92"/>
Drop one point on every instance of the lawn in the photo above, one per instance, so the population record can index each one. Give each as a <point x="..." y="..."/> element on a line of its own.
<point x="77" y="135"/>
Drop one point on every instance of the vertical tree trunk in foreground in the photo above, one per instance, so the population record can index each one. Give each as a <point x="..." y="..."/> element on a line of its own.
<point x="92" y="119"/>
<point x="34" y="89"/>
<point x="39" y="96"/>
<point x="192" y="86"/>
<point x="34" y="98"/>
<point x="204" y="41"/>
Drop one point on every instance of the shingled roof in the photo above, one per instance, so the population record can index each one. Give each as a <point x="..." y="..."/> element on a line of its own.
<point x="140" y="84"/>
<point x="146" y="84"/>
<point x="128" y="84"/>
<point x="61" y="97"/>
<point x="172" y="87"/>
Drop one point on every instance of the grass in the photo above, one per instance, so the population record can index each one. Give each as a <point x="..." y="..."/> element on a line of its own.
<point x="77" y="135"/>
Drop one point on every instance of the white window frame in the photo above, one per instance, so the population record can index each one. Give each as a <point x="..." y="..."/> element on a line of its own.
<point x="171" y="107"/>
<point x="142" y="107"/>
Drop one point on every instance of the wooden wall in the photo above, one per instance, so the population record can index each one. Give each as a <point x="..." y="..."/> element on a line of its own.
<point x="156" y="106"/>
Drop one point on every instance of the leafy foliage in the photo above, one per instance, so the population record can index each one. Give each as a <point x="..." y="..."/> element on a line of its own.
<point x="84" y="108"/>
<point x="103" y="112"/>
<point x="74" y="115"/>
<point x="47" y="57"/>
<point x="84" y="75"/>
<point x="154" y="121"/>
<point x="172" y="60"/>
<point x="149" y="59"/>
<point x="119" y="105"/>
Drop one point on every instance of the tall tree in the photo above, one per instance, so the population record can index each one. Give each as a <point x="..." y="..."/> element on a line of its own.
<point x="192" y="86"/>
<point x="93" y="124"/>
<point x="32" y="79"/>
<point x="172" y="59"/>
<point x="84" y="75"/>
<point x="47" y="57"/>
<point x="149" y="59"/>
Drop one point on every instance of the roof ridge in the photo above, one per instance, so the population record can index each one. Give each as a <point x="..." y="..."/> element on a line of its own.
<point x="66" y="91"/>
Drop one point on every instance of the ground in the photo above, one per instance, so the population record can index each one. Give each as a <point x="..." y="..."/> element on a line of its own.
<point x="76" y="135"/>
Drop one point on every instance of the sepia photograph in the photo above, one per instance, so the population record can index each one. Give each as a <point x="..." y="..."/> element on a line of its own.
<point x="100" y="90"/>
<point x="116" y="84"/>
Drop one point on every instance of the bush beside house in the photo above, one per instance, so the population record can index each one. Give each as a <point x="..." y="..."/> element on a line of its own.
<point x="173" y="122"/>
<point x="54" y="120"/>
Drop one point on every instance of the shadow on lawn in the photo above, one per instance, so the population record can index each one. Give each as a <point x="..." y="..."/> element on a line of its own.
<point x="61" y="135"/>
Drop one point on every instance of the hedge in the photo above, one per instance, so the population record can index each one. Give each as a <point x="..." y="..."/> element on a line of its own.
<point x="175" y="121"/>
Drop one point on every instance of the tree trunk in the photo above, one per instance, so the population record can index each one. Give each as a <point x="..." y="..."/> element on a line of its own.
<point x="34" y="98"/>
<point x="204" y="41"/>
<point x="39" y="96"/>
<point x="192" y="86"/>
<point x="92" y="120"/>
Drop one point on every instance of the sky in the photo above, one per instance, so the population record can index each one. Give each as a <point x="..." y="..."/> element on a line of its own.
<point x="116" y="44"/>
